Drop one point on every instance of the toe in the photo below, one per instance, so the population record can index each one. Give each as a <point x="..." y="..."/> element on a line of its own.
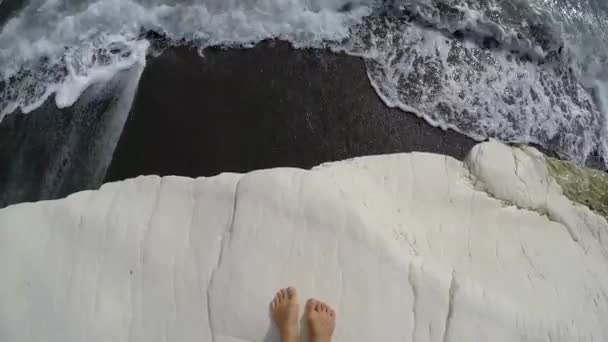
<point x="279" y="297"/>
<point x="323" y="307"/>
<point x="283" y="294"/>
<point x="318" y="306"/>
<point x="291" y="292"/>
<point x="310" y="304"/>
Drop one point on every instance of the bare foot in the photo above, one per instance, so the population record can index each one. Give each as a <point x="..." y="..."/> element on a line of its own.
<point x="321" y="320"/>
<point x="284" y="309"/>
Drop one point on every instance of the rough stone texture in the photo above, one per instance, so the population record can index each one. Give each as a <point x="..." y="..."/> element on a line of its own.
<point x="583" y="185"/>
<point x="406" y="247"/>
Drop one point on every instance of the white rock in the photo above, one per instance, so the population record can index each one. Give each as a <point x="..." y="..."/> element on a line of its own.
<point x="406" y="247"/>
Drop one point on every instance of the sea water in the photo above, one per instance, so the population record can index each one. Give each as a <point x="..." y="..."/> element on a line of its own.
<point x="520" y="71"/>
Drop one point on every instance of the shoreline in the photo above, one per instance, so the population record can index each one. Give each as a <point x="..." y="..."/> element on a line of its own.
<point x="238" y="110"/>
<point x="235" y="110"/>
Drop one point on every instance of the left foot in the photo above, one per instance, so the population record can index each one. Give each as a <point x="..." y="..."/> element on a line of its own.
<point x="284" y="310"/>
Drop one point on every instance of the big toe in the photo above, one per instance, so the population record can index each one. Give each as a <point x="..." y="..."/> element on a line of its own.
<point x="285" y="295"/>
<point x="291" y="292"/>
<point x="311" y="304"/>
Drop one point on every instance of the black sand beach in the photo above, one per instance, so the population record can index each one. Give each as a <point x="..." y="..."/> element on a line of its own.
<point x="244" y="109"/>
<point x="235" y="110"/>
<point x="51" y="153"/>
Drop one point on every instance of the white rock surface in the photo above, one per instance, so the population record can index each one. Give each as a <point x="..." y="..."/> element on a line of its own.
<point x="407" y="247"/>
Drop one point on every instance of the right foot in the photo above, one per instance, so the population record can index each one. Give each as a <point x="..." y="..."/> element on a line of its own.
<point x="321" y="320"/>
<point x="284" y="310"/>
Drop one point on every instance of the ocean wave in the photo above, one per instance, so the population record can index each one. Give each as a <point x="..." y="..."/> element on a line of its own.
<point x="52" y="48"/>
<point x="518" y="29"/>
<point x="464" y="68"/>
<point x="520" y="71"/>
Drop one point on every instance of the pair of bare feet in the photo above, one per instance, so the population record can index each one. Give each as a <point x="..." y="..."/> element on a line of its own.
<point x="285" y="312"/>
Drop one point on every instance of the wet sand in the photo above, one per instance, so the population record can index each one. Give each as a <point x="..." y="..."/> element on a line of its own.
<point x="235" y="110"/>
<point x="239" y="110"/>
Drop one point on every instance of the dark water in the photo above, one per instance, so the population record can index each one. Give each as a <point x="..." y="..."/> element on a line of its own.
<point x="520" y="71"/>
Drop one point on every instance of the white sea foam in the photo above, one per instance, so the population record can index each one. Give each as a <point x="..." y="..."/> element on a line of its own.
<point x="535" y="82"/>
<point x="51" y="48"/>
<point x="602" y="100"/>
<point x="526" y="86"/>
